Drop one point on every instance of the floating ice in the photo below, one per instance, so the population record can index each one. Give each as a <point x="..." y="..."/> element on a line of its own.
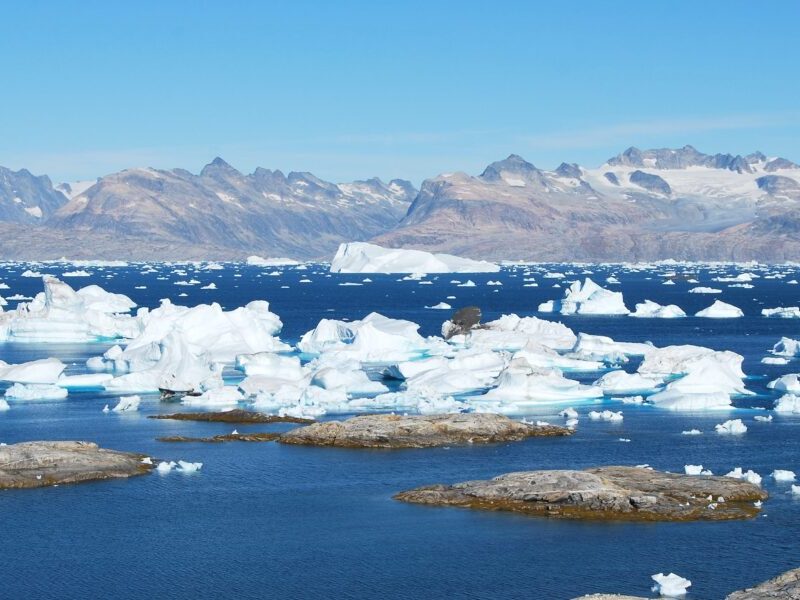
<point x="620" y="382"/>
<point x="749" y="476"/>
<point x="671" y="585"/>
<point x="692" y="432"/>
<point x="704" y="290"/>
<point x="788" y="403"/>
<point x="46" y="370"/>
<point x="787" y="347"/>
<point x="128" y="404"/>
<point x="361" y="257"/>
<point x="650" y="309"/>
<point x="189" y="467"/>
<point x="720" y="310"/>
<point x="787" y="383"/>
<point x="731" y="427"/>
<point x="606" y="415"/>
<point x="783" y="476"/>
<point x="587" y="298"/>
<point x="789" y="312"/>
<point x="693" y="469"/>
<point x="34" y="391"/>
<point x="257" y="261"/>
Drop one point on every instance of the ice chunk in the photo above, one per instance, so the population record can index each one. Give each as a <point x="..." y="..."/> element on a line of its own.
<point x="720" y="310"/>
<point x="788" y="403"/>
<point x="692" y="432"/>
<point x="693" y="469"/>
<point x="361" y="257"/>
<point x="788" y="312"/>
<point x="189" y="467"/>
<point x="224" y="396"/>
<point x="620" y="382"/>
<point x="704" y="290"/>
<point x="749" y="476"/>
<point x="46" y="370"/>
<point x="731" y="427"/>
<point x="128" y="404"/>
<point x="783" y="476"/>
<point x="671" y="585"/>
<point x="606" y="415"/>
<point x="34" y="391"/>
<point x="787" y="347"/>
<point x="587" y="298"/>
<point x="786" y="383"/>
<point x="519" y="389"/>
<point x="650" y="309"/>
<point x="165" y="467"/>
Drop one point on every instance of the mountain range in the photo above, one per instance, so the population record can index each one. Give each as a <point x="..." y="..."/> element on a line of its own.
<point x="638" y="205"/>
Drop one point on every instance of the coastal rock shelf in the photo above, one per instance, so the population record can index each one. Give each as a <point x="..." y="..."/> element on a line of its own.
<point x="233" y="416"/>
<point x="604" y="493"/>
<point x="228" y="437"/>
<point x="39" y="464"/>
<point x="396" y="431"/>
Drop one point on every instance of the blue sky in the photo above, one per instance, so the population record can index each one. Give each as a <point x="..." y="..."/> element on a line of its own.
<point x="403" y="89"/>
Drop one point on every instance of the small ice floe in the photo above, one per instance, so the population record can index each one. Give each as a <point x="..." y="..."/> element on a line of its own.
<point x="704" y="290"/>
<point x="467" y="283"/>
<point x="623" y="440"/>
<point x="693" y="469"/>
<point x="795" y="490"/>
<point x="165" y="467"/>
<point x="692" y="432"/>
<point x="4" y="405"/>
<point x="128" y="404"/>
<point x="720" y="310"/>
<point x="189" y="467"/>
<point x="787" y="384"/>
<point x="783" y="476"/>
<point x="35" y="391"/>
<point x="440" y="306"/>
<point x="569" y="413"/>
<point x="147" y="460"/>
<point x="210" y="286"/>
<point x="774" y="360"/>
<point x="731" y="427"/>
<point x="606" y="415"/>
<point x="763" y="419"/>
<point x="671" y="585"/>
<point x="106" y="409"/>
<point x="749" y="475"/>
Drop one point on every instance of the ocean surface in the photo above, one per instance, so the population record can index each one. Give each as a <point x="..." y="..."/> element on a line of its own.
<point x="267" y="520"/>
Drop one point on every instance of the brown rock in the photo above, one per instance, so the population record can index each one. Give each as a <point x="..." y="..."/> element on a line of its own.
<point x="232" y="416"/>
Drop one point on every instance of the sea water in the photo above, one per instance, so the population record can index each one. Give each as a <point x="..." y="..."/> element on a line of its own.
<point x="263" y="520"/>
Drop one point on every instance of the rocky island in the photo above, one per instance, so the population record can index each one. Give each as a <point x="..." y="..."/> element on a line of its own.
<point x="39" y="464"/>
<point x="603" y="493"/>
<point x="418" y="431"/>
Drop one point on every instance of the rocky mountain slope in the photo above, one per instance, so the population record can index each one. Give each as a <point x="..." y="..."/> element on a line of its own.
<point x="220" y="213"/>
<point x="639" y="205"/>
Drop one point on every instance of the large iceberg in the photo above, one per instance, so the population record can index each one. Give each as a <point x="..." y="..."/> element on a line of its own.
<point x="720" y="310"/>
<point x="361" y="257"/>
<point x="653" y="310"/>
<point x="587" y="298"/>
<point x="60" y="314"/>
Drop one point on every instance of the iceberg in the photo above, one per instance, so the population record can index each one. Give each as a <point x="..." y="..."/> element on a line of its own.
<point x="788" y="403"/>
<point x="361" y="257"/>
<point x="621" y="382"/>
<point x="720" y="310"/>
<point x="257" y="261"/>
<point x="787" y="348"/>
<point x="671" y="585"/>
<point x="511" y="332"/>
<point x="60" y="314"/>
<point x="128" y="404"/>
<point x="749" y="475"/>
<point x="47" y="370"/>
<point x="704" y="290"/>
<point x="606" y="415"/>
<point x="783" y="476"/>
<point x="653" y="310"/>
<point x="789" y="312"/>
<point x="587" y="298"/>
<point x="35" y="391"/>
<point x="732" y="427"/>
<point x="786" y="383"/>
<point x="600" y="347"/>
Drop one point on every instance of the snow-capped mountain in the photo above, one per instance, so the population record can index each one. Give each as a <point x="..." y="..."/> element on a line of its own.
<point x="638" y="205"/>
<point x="220" y="212"/>
<point x="26" y="198"/>
<point x="641" y="204"/>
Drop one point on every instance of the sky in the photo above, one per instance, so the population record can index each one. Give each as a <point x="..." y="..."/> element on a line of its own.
<point x="352" y="89"/>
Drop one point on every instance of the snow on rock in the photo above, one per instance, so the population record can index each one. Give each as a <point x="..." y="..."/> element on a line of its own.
<point x="653" y="310"/>
<point x="127" y="404"/>
<point x="587" y="298"/>
<point x="788" y="403"/>
<point x="46" y="370"/>
<point x="35" y="391"/>
<point x="720" y="310"/>
<point x="732" y="427"/>
<point x="60" y="314"/>
<point x="361" y="257"/>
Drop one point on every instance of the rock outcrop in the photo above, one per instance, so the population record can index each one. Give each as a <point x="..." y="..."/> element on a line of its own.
<point x="39" y="464"/>
<point x="396" y="431"/>
<point x="785" y="586"/>
<point x="226" y="437"/>
<point x="605" y="493"/>
<point x="236" y="415"/>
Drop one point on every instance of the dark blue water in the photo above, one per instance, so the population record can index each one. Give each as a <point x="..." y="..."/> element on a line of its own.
<point x="265" y="520"/>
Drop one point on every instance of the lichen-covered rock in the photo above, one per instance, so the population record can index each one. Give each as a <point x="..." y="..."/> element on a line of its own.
<point x="608" y="493"/>
<point x="785" y="586"/>
<point x="417" y="431"/>
<point x="38" y="464"/>
<point x="227" y="437"/>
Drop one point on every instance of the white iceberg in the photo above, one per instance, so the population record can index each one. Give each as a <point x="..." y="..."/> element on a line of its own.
<point x="361" y="257"/>
<point x="731" y="427"/>
<point x="35" y="391"/>
<point x="653" y="310"/>
<point x="788" y="403"/>
<point x="587" y="298"/>
<point x="788" y="312"/>
<point x="128" y="404"/>
<point x="787" y="383"/>
<point x="720" y="310"/>
<point x="783" y="476"/>
<point x="47" y="370"/>
<point x="671" y="585"/>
